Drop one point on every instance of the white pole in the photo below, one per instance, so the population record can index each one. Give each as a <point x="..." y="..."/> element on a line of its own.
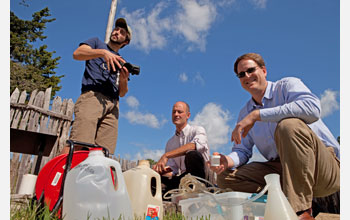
<point x="110" y="23"/>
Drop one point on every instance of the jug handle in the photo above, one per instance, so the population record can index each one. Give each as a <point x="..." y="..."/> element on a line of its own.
<point x="115" y="180"/>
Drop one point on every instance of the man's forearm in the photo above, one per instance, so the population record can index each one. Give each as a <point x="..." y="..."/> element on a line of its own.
<point x="85" y="52"/>
<point x="123" y="87"/>
<point x="181" y="150"/>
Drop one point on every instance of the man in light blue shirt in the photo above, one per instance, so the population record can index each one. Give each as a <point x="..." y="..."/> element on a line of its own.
<point x="282" y="119"/>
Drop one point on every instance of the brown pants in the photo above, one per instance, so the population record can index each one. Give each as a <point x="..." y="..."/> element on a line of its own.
<point x="307" y="167"/>
<point x="96" y="120"/>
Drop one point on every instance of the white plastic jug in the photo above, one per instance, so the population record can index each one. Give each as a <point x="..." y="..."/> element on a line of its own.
<point x="95" y="188"/>
<point x="144" y="187"/>
<point x="277" y="206"/>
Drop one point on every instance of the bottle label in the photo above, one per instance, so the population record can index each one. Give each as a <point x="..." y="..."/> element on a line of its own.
<point x="152" y="212"/>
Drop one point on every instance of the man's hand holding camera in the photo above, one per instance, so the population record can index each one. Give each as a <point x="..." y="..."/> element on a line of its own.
<point x="113" y="61"/>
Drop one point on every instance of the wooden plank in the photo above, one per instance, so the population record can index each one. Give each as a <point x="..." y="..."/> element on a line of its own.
<point x="44" y="118"/>
<point x="68" y="111"/>
<point x="13" y="99"/>
<point x="26" y="113"/>
<point x="33" y="123"/>
<point x="18" y="112"/>
<point x="14" y="164"/>
<point x="54" y="122"/>
<point x="40" y="110"/>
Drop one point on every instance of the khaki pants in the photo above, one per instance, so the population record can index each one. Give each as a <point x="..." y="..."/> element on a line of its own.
<point x="96" y="120"/>
<point x="307" y="167"/>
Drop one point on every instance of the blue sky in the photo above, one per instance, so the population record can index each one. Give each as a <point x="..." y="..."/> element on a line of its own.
<point x="186" y="50"/>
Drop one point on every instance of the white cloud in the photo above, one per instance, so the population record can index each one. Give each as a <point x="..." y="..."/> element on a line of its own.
<point x="191" y="20"/>
<point x="225" y="3"/>
<point x="149" y="154"/>
<point x="259" y="3"/>
<point x="194" y="20"/>
<point x="148" y="119"/>
<point x="329" y="103"/>
<point x="148" y="30"/>
<point x="183" y="77"/>
<point x="198" y="78"/>
<point x="215" y="121"/>
<point x="132" y="102"/>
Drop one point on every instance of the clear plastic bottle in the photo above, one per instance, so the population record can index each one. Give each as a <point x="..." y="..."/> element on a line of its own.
<point x="95" y="188"/>
<point x="277" y="206"/>
<point x="144" y="187"/>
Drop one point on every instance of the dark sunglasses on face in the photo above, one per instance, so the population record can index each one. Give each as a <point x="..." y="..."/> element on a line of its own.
<point x="249" y="71"/>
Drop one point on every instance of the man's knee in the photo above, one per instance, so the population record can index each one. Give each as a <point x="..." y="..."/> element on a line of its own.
<point x="220" y="180"/>
<point x="288" y="127"/>
<point x="193" y="155"/>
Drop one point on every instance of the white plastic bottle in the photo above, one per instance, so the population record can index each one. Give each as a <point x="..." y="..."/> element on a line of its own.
<point x="277" y="206"/>
<point x="95" y="188"/>
<point x="215" y="159"/>
<point x="144" y="187"/>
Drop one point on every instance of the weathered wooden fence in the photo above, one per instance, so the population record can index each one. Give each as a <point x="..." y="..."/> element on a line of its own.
<point x="35" y="115"/>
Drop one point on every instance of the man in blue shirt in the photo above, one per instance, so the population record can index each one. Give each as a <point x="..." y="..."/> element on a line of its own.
<point x="282" y="119"/>
<point x="104" y="81"/>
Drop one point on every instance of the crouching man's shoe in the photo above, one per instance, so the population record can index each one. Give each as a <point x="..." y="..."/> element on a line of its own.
<point x="305" y="215"/>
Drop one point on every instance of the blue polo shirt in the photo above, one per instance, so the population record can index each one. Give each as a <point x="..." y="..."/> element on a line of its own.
<point x="96" y="75"/>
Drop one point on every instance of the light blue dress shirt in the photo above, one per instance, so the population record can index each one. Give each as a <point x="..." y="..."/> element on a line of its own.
<point x="286" y="98"/>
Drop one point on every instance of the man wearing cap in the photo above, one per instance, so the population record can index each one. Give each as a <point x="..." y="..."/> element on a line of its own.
<point x="104" y="81"/>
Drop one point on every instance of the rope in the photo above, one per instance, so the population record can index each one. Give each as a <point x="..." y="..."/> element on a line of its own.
<point x="190" y="186"/>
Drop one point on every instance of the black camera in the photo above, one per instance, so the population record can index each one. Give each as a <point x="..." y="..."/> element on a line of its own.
<point x="133" y="69"/>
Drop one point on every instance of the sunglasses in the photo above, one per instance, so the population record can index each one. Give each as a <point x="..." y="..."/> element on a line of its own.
<point x="248" y="71"/>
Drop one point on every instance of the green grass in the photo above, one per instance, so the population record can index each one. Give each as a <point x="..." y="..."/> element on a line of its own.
<point x="31" y="211"/>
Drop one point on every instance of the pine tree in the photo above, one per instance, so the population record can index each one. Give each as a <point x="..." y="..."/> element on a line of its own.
<point x="31" y="68"/>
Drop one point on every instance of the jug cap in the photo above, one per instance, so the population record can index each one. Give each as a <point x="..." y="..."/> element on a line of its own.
<point x="95" y="149"/>
<point x="144" y="162"/>
<point x="216" y="154"/>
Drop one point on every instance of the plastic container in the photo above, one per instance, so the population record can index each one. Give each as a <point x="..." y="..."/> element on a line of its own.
<point x="229" y="205"/>
<point x="27" y="185"/>
<point x="95" y="189"/>
<point x="144" y="188"/>
<point x="215" y="159"/>
<point x="277" y="206"/>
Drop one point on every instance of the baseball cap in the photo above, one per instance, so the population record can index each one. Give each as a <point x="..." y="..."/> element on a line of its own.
<point x="121" y="22"/>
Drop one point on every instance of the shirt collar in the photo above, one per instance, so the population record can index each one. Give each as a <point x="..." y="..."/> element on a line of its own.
<point x="267" y="95"/>
<point x="184" y="131"/>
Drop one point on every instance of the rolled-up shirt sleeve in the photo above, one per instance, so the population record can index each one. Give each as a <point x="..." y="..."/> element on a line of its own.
<point x="299" y="103"/>
<point x="200" y="139"/>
